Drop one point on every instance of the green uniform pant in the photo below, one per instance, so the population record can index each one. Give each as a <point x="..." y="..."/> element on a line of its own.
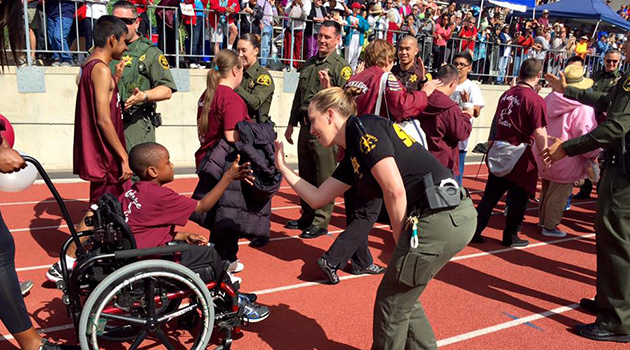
<point x="399" y="319"/>
<point x="316" y="163"/>
<point x="612" y="227"/>
<point x="138" y="130"/>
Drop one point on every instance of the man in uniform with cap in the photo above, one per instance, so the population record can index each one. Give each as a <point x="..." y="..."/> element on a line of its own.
<point x="410" y="69"/>
<point x="612" y="224"/>
<point x="605" y="81"/>
<point x="316" y="163"/>
<point x="145" y="81"/>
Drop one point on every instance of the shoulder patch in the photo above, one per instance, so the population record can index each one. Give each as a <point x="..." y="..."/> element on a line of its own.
<point x="367" y="143"/>
<point x="264" y="80"/>
<point x="356" y="167"/>
<point x="429" y="76"/>
<point x="626" y="84"/>
<point x="392" y="83"/>
<point x="163" y="62"/>
<point x="346" y="72"/>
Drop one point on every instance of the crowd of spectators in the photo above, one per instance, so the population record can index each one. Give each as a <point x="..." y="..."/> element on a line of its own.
<point x="497" y="40"/>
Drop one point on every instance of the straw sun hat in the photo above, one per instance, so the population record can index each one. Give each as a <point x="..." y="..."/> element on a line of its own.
<point x="574" y="76"/>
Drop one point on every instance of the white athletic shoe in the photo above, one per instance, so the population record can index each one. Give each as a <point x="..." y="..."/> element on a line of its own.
<point x="236" y="266"/>
<point x="234" y="279"/>
<point x="194" y="66"/>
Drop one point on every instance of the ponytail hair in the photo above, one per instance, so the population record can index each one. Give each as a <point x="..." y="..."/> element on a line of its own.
<point x="340" y="100"/>
<point x="222" y="65"/>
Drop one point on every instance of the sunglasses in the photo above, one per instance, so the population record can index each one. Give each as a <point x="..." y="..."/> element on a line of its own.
<point x="612" y="61"/>
<point x="128" y="21"/>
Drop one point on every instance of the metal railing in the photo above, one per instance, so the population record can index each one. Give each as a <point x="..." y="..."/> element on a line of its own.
<point x="285" y="41"/>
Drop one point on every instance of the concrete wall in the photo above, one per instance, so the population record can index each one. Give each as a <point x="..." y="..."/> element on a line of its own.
<point x="44" y="121"/>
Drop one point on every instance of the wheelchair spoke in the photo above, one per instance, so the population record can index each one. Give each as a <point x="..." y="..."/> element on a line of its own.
<point x="141" y="337"/>
<point x="133" y="320"/>
<point x="150" y="296"/>
<point x="176" y="313"/>
<point x="164" y="339"/>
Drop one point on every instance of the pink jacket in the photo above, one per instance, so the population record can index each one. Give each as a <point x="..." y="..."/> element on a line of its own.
<point x="567" y="119"/>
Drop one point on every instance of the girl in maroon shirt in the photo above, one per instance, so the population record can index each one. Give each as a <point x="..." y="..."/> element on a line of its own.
<point x="220" y="108"/>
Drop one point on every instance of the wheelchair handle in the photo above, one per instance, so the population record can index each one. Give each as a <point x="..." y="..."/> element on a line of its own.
<point x="60" y="203"/>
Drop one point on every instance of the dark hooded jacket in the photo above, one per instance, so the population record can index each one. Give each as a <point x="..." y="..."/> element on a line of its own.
<point x="445" y="125"/>
<point x="242" y="208"/>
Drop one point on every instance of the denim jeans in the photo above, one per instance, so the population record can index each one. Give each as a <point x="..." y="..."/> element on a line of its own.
<point x="265" y="44"/>
<point x="196" y="38"/>
<point x="58" y="31"/>
<point x="503" y="63"/>
<point x="462" y="164"/>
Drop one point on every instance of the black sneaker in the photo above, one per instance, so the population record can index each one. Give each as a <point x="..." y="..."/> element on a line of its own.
<point x="329" y="271"/>
<point x="370" y="270"/>
<point x="313" y="232"/>
<point x="515" y="242"/>
<point x="259" y="242"/>
<point x="296" y="225"/>
<point x="54" y="273"/>
<point x="596" y="332"/>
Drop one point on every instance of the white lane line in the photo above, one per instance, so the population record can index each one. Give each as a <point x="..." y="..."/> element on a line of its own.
<point x="506" y="325"/>
<point x="31" y="268"/>
<point x="66" y="226"/>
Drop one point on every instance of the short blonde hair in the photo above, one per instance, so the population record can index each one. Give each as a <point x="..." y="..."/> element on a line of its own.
<point x="379" y="53"/>
<point x="335" y="98"/>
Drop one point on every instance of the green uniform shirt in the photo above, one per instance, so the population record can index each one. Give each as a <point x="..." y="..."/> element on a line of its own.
<point x="256" y="89"/>
<point x="339" y="71"/>
<point x="605" y="81"/>
<point x="616" y="103"/>
<point x="147" y="68"/>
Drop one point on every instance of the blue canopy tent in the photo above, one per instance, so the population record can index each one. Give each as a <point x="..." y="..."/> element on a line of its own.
<point x="594" y="11"/>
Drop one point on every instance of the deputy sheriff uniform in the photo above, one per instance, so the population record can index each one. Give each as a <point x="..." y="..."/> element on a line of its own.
<point x="256" y="89"/>
<point x="145" y="69"/>
<point x="315" y="162"/>
<point x="432" y="236"/>
<point x="612" y="223"/>
<point x="411" y="79"/>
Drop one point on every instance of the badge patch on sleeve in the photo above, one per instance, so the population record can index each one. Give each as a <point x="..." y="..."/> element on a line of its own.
<point x="264" y="80"/>
<point x="367" y="143"/>
<point x="163" y="61"/>
<point x="626" y="84"/>
<point x="346" y="73"/>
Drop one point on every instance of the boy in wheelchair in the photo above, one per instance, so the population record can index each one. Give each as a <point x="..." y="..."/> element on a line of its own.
<point x="152" y="212"/>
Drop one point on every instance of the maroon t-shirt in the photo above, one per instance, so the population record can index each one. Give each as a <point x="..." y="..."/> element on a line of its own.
<point x="521" y="111"/>
<point x="93" y="158"/>
<point x="227" y="110"/>
<point x="153" y="211"/>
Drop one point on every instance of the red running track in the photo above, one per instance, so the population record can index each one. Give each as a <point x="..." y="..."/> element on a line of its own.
<point x="488" y="296"/>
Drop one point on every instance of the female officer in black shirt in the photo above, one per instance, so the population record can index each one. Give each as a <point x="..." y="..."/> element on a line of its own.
<point x="432" y="218"/>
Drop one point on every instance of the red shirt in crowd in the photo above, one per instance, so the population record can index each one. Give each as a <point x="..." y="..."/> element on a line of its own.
<point x="227" y="110"/>
<point x="521" y="111"/>
<point x="93" y="157"/>
<point x="218" y="10"/>
<point x="141" y="5"/>
<point x="470" y="34"/>
<point x="444" y="125"/>
<point x="153" y="211"/>
<point x="526" y="41"/>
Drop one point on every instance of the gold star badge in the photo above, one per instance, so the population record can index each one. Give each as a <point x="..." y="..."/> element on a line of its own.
<point x="413" y="78"/>
<point x="355" y="167"/>
<point x="128" y="59"/>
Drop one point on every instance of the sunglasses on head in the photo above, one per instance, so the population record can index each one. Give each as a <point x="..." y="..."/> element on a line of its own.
<point x="128" y="21"/>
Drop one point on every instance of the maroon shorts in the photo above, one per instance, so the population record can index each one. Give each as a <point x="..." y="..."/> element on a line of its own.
<point x="97" y="189"/>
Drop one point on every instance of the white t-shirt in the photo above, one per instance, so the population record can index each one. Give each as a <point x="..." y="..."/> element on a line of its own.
<point x="474" y="96"/>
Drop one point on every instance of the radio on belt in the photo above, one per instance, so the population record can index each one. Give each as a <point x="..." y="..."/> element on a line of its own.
<point x="446" y="195"/>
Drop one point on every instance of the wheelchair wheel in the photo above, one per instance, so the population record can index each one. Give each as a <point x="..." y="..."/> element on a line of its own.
<point x="143" y="302"/>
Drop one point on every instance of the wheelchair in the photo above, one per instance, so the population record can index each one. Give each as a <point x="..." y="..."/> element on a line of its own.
<point x="117" y="293"/>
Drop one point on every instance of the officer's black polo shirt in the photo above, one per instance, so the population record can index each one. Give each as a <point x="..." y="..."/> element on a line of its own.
<point x="379" y="139"/>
